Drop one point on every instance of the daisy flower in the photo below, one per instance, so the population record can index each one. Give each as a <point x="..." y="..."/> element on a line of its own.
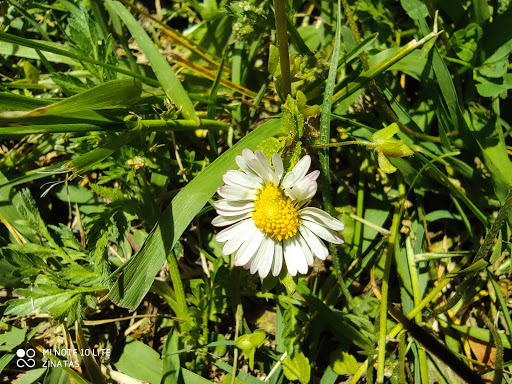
<point x="267" y="218"/>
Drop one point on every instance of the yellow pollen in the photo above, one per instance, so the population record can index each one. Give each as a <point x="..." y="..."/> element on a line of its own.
<point x="275" y="214"/>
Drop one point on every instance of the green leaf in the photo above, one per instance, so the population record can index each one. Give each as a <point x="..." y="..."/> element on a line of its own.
<point x="138" y="360"/>
<point x="297" y="368"/>
<point x="162" y="69"/>
<point x="112" y="94"/>
<point x="415" y="9"/>
<point x="270" y="146"/>
<point x="273" y="60"/>
<point x="92" y="367"/>
<point x="138" y="273"/>
<point x="251" y="341"/>
<point x="11" y="337"/>
<point x="384" y="164"/>
<point x="465" y="41"/>
<point x="31" y="376"/>
<point x="344" y="363"/>
<point x="292" y="121"/>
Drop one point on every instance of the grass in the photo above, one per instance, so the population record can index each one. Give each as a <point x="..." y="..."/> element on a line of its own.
<point x="118" y="120"/>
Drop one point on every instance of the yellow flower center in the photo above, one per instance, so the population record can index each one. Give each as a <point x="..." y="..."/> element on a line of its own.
<point x="275" y="214"/>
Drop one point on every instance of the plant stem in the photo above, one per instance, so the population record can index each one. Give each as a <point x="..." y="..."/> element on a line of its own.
<point x="343" y="143"/>
<point x="381" y="357"/>
<point x="282" y="44"/>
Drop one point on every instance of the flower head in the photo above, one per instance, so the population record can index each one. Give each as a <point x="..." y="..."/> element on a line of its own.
<point x="267" y="218"/>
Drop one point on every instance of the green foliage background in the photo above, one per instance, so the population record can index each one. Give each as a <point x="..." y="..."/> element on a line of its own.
<point x="118" y="120"/>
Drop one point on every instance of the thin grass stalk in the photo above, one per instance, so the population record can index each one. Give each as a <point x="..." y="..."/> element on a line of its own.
<point x="325" y="134"/>
<point x="413" y="273"/>
<point x="282" y="44"/>
<point x="381" y="357"/>
<point x="482" y="253"/>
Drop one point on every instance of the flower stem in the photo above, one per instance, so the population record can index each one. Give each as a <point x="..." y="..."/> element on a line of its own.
<point x="282" y="44"/>
<point x="343" y="143"/>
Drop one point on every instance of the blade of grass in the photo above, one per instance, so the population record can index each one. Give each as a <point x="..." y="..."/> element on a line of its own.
<point x="365" y="77"/>
<point x="92" y="367"/>
<point x="112" y="94"/>
<point x="325" y="134"/>
<point x="61" y="50"/>
<point x="138" y="273"/>
<point x="455" y="190"/>
<point x="163" y="71"/>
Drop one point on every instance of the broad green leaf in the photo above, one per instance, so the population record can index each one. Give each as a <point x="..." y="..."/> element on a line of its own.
<point x="11" y="337"/>
<point x="171" y="359"/>
<point x="138" y="360"/>
<point x="138" y="273"/>
<point x="384" y="164"/>
<point x="31" y="376"/>
<point x="297" y="368"/>
<point x="251" y="341"/>
<point x="414" y="8"/>
<point x="162" y="69"/>
<point x="344" y="363"/>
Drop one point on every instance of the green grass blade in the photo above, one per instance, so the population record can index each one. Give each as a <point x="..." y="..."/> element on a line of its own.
<point x="113" y="94"/>
<point x="455" y="190"/>
<point x="138" y="274"/>
<point x="325" y="119"/>
<point x="14" y="102"/>
<point x="163" y="71"/>
<point x="59" y="54"/>
<point x="373" y="72"/>
<point x="56" y="128"/>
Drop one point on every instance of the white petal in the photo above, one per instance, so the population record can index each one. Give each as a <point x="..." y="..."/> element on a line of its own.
<point x="277" y="263"/>
<point x="307" y="251"/>
<point x="231" y="231"/>
<point x="230" y="192"/>
<point x="278" y="165"/>
<point x="302" y="167"/>
<point x="248" y="249"/>
<point x="262" y="261"/>
<point x="294" y="256"/>
<point x="240" y="178"/>
<point x="237" y="240"/>
<point x="263" y="170"/>
<point x="303" y="189"/>
<point x="221" y="221"/>
<point x="323" y="232"/>
<point x="288" y="180"/>
<point x="230" y="205"/>
<point x="240" y="161"/>
<point x="321" y="217"/>
<point x="314" y="175"/>
<point x="315" y="244"/>
<point x="227" y="214"/>
<point x="262" y="158"/>
<point x="288" y="251"/>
